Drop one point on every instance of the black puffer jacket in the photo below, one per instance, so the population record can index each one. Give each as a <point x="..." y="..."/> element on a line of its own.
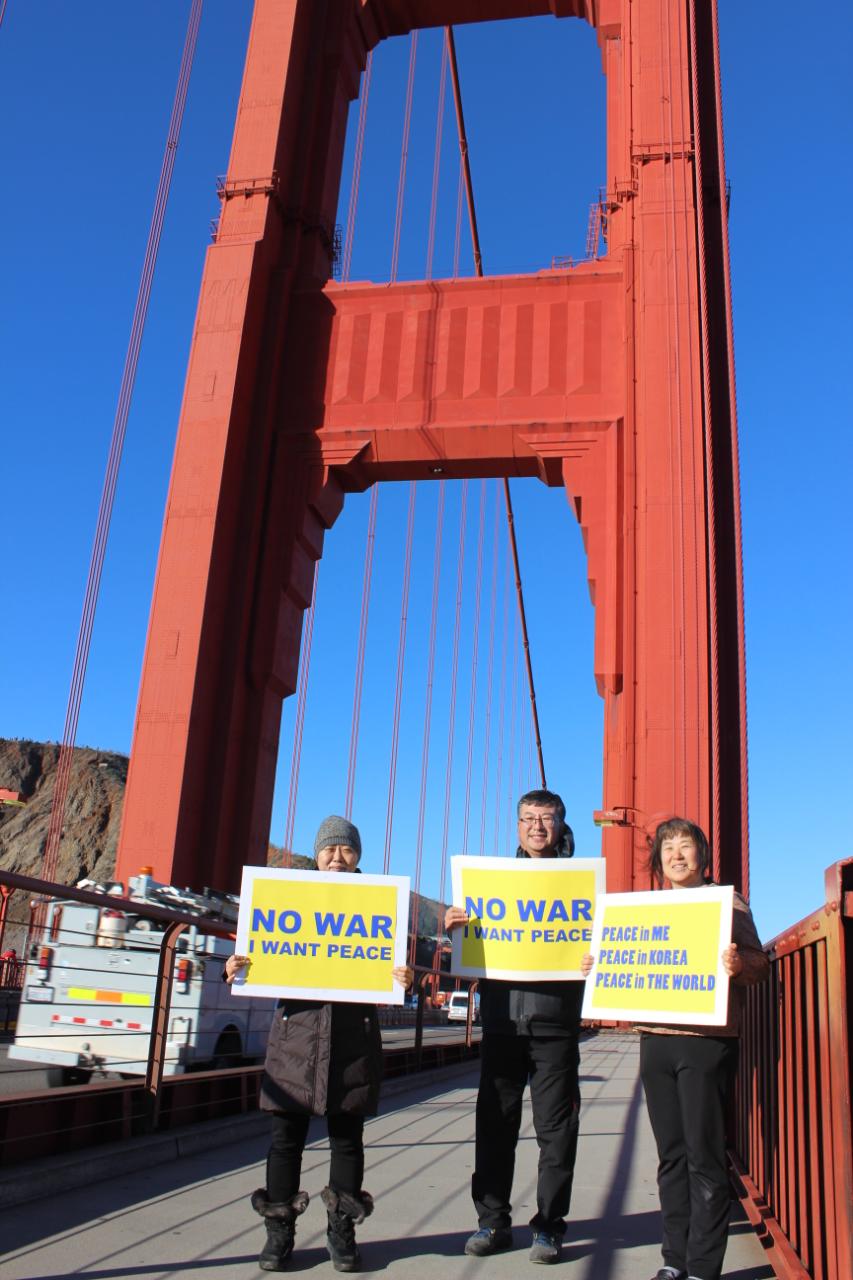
<point x="323" y="1058"/>
<point x="531" y="1008"/>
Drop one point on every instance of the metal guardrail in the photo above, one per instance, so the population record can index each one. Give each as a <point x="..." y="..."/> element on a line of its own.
<point x="794" y="1144"/>
<point x="42" y="1122"/>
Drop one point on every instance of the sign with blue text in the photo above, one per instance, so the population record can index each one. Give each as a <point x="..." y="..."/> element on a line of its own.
<point x="529" y="919"/>
<point x="322" y="935"/>
<point x="658" y="957"/>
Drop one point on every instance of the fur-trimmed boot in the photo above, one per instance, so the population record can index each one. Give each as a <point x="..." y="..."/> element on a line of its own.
<point x="280" y="1222"/>
<point x="344" y="1212"/>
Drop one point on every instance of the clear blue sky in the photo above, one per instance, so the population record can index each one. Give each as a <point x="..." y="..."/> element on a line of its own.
<point x="86" y="93"/>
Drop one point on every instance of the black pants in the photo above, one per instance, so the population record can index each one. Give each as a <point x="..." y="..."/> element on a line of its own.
<point x="550" y="1064"/>
<point x="686" y="1079"/>
<point x="284" y="1162"/>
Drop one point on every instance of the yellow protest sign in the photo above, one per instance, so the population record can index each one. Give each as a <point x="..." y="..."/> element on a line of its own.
<point x="657" y="957"/>
<point x="529" y="918"/>
<point x="322" y="935"/>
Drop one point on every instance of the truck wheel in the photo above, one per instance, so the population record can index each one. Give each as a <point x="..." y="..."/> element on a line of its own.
<point x="228" y="1051"/>
<point x="57" y="1077"/>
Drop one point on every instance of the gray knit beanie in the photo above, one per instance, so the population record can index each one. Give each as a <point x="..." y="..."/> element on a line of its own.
<point x="335" y="830"/>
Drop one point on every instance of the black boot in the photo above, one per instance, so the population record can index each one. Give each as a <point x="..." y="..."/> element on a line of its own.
<point x="280" y="1222"/>
<point x="345" y="1211"/>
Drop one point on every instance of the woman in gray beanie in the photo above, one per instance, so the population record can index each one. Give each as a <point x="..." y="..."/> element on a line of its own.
<point x="323" y="1058"/>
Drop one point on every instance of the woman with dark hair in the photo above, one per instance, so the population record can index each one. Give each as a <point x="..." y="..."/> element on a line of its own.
<point x="323" y="1059"/>
<point x="687" y="1073"/>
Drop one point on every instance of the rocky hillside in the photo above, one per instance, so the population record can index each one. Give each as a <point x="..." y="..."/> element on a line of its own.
<point x="93" y="813"/>
<point x="92" y="819"/>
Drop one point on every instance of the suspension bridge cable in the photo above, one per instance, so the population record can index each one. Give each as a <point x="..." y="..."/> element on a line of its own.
<point x="84" y="638"/>
<point x="419" y="842"/>
<point x="299" y="722"/>
<point x="502" y="714"/>
<point x="478" y="268"/>
<point x="510" y="755"/>
<point x="398" y="691"/>
<point x="454" y="669"/>
<point x="404" y="155"/>
<point x="436" y="161"/>
<point x="522" y="619"/>
<point x="487" y="732"/>
<point x="362" y="640"/>
<point x="475" y="648"/>
<point x="356" y="169"/>
<point x="457" y="243"/>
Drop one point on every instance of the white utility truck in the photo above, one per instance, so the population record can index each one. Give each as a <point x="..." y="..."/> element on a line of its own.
<point x="87" y="1003"/>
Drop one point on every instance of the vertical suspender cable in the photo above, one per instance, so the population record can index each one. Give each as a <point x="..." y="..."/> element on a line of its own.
<point x="2" y="10"/>
<point x="404" y="155"/>
<point x="487" y="733"/>
<point x="374" y="497"/>
<point x="454" y="668"/>
<point x="84" y="638"/>
<point x="362" y="639"/>
<point x="522" y="619"/>
<point x="356" y="168"/>
<point x="398" y="691"/>
<point x="299" y="722"/>
<point x="510" y="755"/>
<point x="419" y="843"/>
<point x="436" y="162"/>
<point x="475" y="648"/>
<point x="478" y="268"/>
<point x="501" y="716"/>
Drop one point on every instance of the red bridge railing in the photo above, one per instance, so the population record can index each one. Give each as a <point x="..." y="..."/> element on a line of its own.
<point x="793" y="1106"/>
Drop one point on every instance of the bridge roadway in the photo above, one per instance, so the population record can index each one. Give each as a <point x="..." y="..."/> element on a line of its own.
<point x="191" y="1217"/>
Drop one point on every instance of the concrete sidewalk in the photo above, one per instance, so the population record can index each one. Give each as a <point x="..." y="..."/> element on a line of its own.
<point x="191" y="1218"/>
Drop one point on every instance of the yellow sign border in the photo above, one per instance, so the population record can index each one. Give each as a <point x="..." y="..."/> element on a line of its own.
<point x="664" y="901"/>
<point x="340" y="882"/>
<point x="521" y="867"/>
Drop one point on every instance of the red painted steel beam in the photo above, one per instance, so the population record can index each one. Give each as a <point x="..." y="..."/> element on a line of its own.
<point x="614" y="379"/>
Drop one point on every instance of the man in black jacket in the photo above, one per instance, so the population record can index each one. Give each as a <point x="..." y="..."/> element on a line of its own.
<point x="530" y="1034"/>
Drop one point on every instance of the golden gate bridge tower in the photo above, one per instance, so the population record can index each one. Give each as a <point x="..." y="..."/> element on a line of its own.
<point x="613" y="378"/>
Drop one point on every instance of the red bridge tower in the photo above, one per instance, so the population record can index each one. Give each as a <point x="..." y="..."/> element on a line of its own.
<point x="614" y="379"/>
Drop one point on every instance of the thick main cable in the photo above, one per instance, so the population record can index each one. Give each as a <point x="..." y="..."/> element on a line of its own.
<point x="478" y="269"/>
<point x="105" y="510"/>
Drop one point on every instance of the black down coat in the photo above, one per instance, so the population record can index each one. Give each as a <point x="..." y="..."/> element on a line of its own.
<point x="323" y="1059"/>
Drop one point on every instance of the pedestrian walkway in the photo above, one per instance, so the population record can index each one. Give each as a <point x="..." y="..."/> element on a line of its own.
<point x="191" y="1218"/>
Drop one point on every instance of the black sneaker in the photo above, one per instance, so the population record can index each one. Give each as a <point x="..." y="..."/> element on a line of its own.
<point x="488" y="1240"/>
<point x="670" y="1273"/>
<point x="546" y="1247"/>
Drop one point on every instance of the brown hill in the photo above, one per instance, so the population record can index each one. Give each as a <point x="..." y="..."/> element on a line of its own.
<point x="92" y="817"/>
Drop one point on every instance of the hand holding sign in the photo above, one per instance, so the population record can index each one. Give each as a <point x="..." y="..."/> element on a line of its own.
<point x="454" y="917"/>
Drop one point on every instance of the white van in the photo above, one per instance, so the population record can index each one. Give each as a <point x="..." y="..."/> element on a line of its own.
<point x="457" y="1007"/>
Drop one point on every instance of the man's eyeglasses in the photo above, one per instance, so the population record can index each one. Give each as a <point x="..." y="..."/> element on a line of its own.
<point x="547" y="820"/>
